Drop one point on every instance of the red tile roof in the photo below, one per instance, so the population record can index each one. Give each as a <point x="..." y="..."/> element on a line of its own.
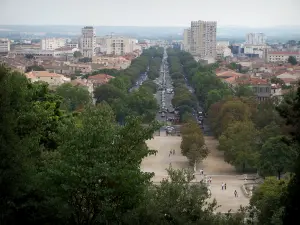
<point x="100" y="78"/>
<point x="252" y="81"/>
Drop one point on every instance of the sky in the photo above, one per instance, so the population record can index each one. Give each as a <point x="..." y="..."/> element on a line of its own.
<point x="246" y="13"/>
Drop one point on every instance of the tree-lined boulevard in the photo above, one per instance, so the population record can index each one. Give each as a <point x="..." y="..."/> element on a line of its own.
<point x="67" y="161"/>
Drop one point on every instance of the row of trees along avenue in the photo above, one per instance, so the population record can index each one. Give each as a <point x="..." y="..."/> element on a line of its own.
<point x="192" y="144"/>
<point x="67" y="161"/>
<point x="255" y="136"/>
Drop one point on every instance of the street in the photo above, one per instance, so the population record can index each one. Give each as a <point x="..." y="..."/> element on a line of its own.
<point x="165" y="93"/>
<point x="143" y="77"/>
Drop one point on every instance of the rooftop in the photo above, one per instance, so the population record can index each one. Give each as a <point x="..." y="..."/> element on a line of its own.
<point x="42" y="74"/>
<point x="283" y="53"/>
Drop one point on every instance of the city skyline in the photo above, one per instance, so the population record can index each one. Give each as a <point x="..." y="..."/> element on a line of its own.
<point x="253" y="13"/>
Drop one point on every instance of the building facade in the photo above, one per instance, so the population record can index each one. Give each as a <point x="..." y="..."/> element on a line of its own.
<point x="117" y="45"/>
<point x="280" y="56"/>
<point x="255" y="39"/>
<point x="4" y="46"/>
<point x="52" y="43"/>
<point x="88" y="42"/>
<point x="201" y="38"/>
<point x="186" y="39"/>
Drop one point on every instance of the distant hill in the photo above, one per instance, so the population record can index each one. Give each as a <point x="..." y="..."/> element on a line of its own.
<point x="223" y="32"/>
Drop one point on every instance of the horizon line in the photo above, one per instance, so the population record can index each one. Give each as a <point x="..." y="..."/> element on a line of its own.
<point x="179" y="26"/>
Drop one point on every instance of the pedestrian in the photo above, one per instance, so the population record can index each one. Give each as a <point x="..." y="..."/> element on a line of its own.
<point x="202" y="171"/>
<point x="173" y="151"/>
<point x="235" y="194"/>
<point x="222" y="186"/>
<point x="225" y="186"/>
<point x="210" y="179"/>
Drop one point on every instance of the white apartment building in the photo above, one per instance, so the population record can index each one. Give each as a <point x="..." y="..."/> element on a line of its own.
<point x="88" y="42"/>
<point x="72" y="45"/>
<point x="281" y="56"/>
<point x="52" y="43"/>
<point x="222" y="52"/>
<point x="255" y="39"/>
<point x="223" y="43"/>
<point x="258" y="50"/>
<point x="4" y="45"/>
<point x="117" y="45"/>
<point x="202" y="39"/>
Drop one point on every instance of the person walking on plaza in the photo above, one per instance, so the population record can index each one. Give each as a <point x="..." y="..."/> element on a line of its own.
<point x="225" y="186"/>
<point x="235" y="194"/>
<point x="210" y="179"/>
<point x="201" y="171"/>
<point x="222" y="186"/>
<point x="173" y="151"/>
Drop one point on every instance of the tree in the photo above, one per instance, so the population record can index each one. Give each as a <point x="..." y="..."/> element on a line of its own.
<point x="29" y="120"/>
<point x="232" y="110"/>
<point x="108" y="93"/>
<point x="277" y="156"/>
<point x="99" y="168"/>
<point x="292" y="60"/>
<point x="275" y="80"/>
<point x="29" y="56"/>
<point x="34" y="68"/>
<point x="77" y="54"/>
<point x="192" y="144"/>
<point x="290" y="110"/>
<point x="176" y="201"/>
<point x="142" y="103"/>
<point x="243" y="90"/>
<point x="74" y="97"/>
<point x="267" y="201"/>
<point x="240" y="144"/>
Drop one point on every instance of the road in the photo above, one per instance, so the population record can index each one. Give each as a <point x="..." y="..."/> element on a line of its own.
<point x="143" y="77"/>
<point x="163" y="97"/>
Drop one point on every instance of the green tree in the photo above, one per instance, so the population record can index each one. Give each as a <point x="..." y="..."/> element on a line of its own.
<point x="240" y="144"/>
<point x="292" y="60"/>
<point x="267" y="201"/>
<point x="231" y="110"/>
<point x="192" y="143"/>
<point x="77" y="54"/>
<point x="243" y="90"/>
<point x="34" y="68"/>
<point x="99" y="168"/>
<point x="176" y="201"/>
<point x="74" y="97"/>
<point x="290" y="110"/>
<point x="277" y="155"/>
<point x="108" y="93"/>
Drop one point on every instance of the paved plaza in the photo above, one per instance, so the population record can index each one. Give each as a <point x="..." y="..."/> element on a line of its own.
<point x="213" y="166"/>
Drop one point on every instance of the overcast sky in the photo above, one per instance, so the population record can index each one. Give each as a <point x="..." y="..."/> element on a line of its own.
<point x="251" y="13"/>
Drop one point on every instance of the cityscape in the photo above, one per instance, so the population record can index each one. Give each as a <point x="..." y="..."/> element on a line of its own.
<point x="191" y="118"/>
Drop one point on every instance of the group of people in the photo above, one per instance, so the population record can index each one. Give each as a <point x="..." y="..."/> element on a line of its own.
<point x="172" y="152"/>
<point x="224" y="185"/>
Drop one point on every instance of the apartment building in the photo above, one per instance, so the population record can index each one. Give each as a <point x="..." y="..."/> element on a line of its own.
<point x="4" y="46"/>
<point x="52" y="43"/>
<point x="88" y="42"/>
<point x="117" y="45"/>
<point x="72" y="45"/>
<point x="52" y="79"/>
<point x="281" y="56"/>
<point x="255" y="39"/>
<point x="201" y="39"/>
<point x="186" y="39"/>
